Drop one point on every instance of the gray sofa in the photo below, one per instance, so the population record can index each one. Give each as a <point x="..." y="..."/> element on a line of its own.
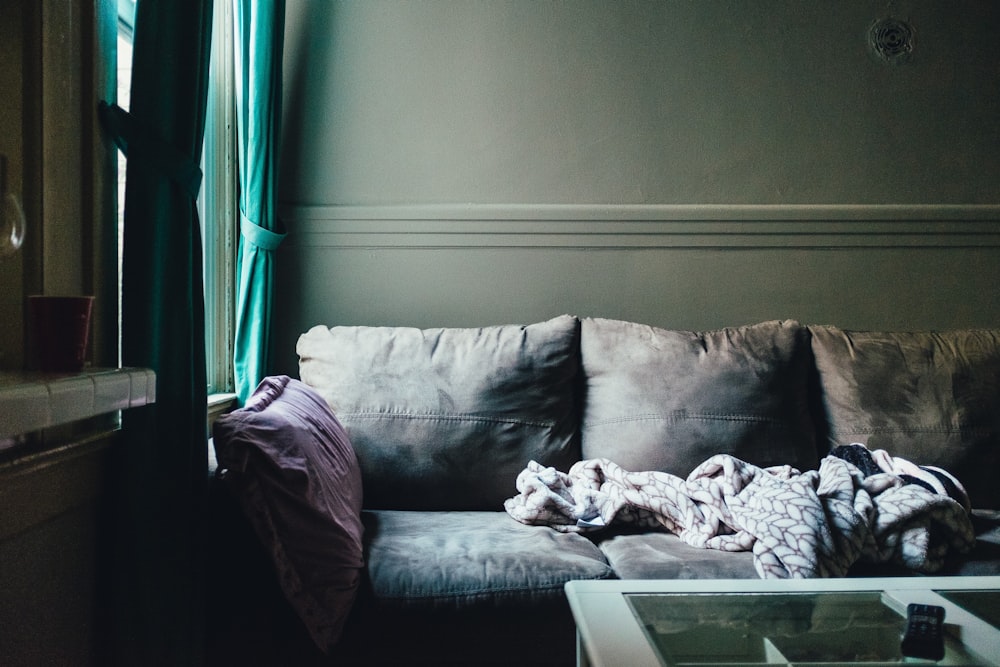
<point x="442" y="422"/>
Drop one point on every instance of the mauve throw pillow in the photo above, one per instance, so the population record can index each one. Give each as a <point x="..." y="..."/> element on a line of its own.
<point x="931" y="398"/>
<point x="663" y="399"/>
<point x="292" y="467"/>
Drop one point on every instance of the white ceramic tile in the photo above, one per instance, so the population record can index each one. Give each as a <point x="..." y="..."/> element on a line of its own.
<point x="112" y="391"/>
<point x="71" y="398"/>
<point x="23" y="408"/>
<point x="150" y="385"/>
<point x="143" y="386"/>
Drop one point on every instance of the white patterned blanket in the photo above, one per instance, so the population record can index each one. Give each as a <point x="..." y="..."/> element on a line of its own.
<point x="798" y="524"/>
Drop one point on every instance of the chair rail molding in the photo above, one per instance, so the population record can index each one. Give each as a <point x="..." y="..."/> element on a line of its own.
<point x="642" y="226"/>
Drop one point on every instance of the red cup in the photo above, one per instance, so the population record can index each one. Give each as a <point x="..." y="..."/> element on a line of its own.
<point x="59" y="327"/>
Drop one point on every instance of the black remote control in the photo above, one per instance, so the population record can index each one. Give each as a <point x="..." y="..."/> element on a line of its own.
<point x="924" y="636"/>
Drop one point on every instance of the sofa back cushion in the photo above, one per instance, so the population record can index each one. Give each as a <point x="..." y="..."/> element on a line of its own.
<point x="447" y="418"/>
<point x="931" y="398"/>
<point x="659" y="399"/>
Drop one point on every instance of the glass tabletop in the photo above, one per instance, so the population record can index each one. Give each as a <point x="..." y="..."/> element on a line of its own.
<point x="984" y="603"/>
<point x="855" y="627"/>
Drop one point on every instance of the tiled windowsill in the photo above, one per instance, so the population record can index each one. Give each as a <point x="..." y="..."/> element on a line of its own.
<point x="33" y="401"/>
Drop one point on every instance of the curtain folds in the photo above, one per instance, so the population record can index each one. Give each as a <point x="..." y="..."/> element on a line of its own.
<point x="259" y="36"/>
<point x="156" y="570"/>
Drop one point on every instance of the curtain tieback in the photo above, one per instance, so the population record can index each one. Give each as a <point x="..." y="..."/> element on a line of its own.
<point x="265" y="239"/>
<point x="145" y="142"/>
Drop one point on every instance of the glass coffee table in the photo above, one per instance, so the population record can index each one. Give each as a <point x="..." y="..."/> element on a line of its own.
<point x="851" y="621"/>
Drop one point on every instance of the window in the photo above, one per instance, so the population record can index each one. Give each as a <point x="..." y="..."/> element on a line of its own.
<point x="218" y="206"/>
<point x="126" y="17"/>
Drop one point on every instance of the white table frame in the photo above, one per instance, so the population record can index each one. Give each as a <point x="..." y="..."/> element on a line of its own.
<point x="608" y="634"/>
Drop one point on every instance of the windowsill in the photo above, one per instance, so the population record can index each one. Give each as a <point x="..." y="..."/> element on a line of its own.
<point x="218" y="405"/>
<point x="31" y="401"/>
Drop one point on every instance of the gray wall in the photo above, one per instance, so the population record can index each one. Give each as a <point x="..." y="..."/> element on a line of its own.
<point x="11" y="168"/>
<point x="684" y="164"/>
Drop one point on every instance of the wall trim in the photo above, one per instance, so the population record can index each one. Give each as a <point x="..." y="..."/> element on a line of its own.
<point x="642" y="226"/>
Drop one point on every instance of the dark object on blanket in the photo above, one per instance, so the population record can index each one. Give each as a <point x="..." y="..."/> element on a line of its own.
<point x="931" y="478"/>
<point x="292" y="467"/>
<point x="859" y="456"/>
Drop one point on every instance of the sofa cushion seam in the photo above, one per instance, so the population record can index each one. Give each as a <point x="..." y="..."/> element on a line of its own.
<point x="680" y="417"/>
<point x="445" y="418"/>
<point x="872" y="430"/>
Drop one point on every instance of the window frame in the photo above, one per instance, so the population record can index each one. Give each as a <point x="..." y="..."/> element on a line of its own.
<point x="218" y="203"/>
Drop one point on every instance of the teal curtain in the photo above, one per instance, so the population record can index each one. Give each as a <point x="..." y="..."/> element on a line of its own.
<point x="156" y="571"/>
<point x="259" y="35"/>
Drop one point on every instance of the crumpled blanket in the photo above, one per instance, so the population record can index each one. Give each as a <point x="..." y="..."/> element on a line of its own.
<point x="816" y="523"/>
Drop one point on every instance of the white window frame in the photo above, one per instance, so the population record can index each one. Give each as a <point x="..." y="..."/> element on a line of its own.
<point x="219" y="207"/>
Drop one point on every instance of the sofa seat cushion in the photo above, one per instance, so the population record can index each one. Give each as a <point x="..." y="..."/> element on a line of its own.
<point x="445" y="419"/>
<point x="931" y="398"/>
<point x="663" y="555"/>
<point x="468" y="560"/>
<point x="659" y="399"/>
<point x="984" y="559"/>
